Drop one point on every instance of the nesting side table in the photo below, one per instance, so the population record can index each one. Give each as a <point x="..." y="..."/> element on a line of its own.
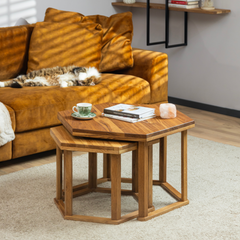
<point x="145" y="133"/>
<point x="113" y="149"/>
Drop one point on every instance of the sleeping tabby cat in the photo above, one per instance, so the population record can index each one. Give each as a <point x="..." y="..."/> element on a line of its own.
<point x="56" y="76"/>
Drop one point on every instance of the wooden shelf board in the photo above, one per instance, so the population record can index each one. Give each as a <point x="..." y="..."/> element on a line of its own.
<point x="162" y="6"/>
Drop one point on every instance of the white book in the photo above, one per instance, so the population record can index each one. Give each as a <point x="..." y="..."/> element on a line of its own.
<point x="183" y="6"/>
<point x="185" y="1"/>
<point x="127" y="119"/>
<point x="128" y="110"/>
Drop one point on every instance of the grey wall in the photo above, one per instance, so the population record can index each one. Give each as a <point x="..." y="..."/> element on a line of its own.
<point x="86" y="7"/>
<point x="34" y="10"/>
<point x="206" y="71"/>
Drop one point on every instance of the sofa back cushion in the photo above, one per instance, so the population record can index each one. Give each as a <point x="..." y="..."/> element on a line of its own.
<point x="55" y="15"/>
<point x="14" y="44"/>
<point x="117" y="37"/>
<point x="63" y="44"/>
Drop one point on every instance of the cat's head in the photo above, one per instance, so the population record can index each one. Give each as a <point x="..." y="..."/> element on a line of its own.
<point x="78" y="70"/>
<point x="89" y="78"/>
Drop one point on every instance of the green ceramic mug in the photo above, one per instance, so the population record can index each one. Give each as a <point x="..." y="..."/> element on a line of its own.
<point x="83" y="109"/>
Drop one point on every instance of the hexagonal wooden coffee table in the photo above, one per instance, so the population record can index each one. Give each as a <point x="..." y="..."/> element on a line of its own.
<point x="146" y="133"/>
<point x="66" y="144"/>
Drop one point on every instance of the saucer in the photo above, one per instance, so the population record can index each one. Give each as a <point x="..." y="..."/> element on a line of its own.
<point x="89" y="116"/>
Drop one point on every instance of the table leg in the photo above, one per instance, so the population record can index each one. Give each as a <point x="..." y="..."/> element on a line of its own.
<point x="150" y="177"/>
<point x="68" y="182"/>
<point x="116" y="186"/>
<point x="135" y="171"/>
<point x="180" y="197"/>
<point x="106" y="166"/>
<point x="163" y="160"/>
<point x="59" y="173"/>
<point x="143" y="179"/>
<point x="92" y="173"/>
<point x="184" y="165"/>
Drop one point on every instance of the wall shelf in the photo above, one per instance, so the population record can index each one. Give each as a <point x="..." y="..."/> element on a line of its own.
<point x="162" y="6"/>
<point x="167" y="9"/>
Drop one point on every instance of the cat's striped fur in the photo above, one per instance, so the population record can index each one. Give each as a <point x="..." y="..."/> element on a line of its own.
<point x="56" y="76"/>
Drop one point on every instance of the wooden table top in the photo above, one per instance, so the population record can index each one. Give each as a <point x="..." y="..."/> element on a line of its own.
<point x="107" y="128"/>
<point x="66" y="141"/>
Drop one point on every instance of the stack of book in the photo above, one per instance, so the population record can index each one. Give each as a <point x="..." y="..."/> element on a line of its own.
<point x="129" y="113"/>
<point x="187" y="4"/>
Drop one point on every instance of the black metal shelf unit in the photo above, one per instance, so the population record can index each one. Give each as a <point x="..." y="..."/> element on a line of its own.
<point x="166" y="42"/>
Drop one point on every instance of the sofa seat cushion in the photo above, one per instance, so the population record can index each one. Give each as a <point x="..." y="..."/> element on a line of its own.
<point x="37" y="107"/>
<point x="127" y="88"/>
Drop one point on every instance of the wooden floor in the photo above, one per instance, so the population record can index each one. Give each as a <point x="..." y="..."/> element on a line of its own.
<point x="211" y="126"/>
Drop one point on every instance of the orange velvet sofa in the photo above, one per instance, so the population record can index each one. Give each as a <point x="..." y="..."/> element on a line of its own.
<point x="33" y="110"/>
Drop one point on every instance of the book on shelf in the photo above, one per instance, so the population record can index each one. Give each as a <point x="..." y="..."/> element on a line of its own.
<point x="128" y="110"/>
<point x="128" y="119"/>
<point x="183" y="6"/>
<point x="184" y="2"/>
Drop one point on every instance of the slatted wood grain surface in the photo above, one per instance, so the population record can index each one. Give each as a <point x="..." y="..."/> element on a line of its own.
<point x="102" y="127"/>
<point x="66" y="141"/>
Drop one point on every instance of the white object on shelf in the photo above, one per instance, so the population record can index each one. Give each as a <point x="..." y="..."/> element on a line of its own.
<point x="129" y="1"/>
<point x="207" y="5"/>
<point x="21" y="21"/>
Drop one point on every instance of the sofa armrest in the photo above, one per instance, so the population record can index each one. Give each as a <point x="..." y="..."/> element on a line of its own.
<point x="153" y="67"/>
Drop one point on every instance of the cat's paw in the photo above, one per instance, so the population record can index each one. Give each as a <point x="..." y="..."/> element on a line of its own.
<point x="80" y="83"/>
<point x="64" y="84"/>
<point x="2" y="84"/>
<point x="70" y="84"/>
<point x="16" y="84"/>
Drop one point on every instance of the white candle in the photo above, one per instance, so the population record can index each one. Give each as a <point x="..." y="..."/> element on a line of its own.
<point x="129" y="1"/>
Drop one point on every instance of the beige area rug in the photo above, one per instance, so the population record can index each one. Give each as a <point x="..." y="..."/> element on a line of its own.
<point x="27" y="210"/>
